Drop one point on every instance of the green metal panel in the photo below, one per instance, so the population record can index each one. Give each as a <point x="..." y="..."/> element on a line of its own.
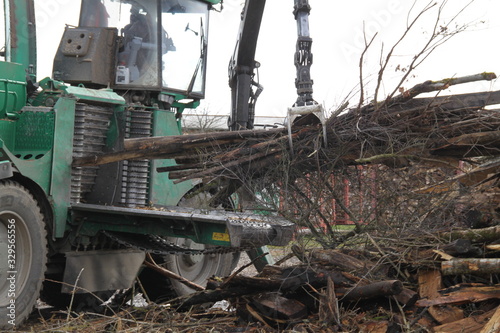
<point x="34" y="132"/>
<point x="150" y="222"/>
<point x="60" y="185"/>
<point x="162" y="190"/>
<point x="7" y="132"/>
<point x="37" y="170"/>
<point x="54" y="88"/>
<point x="102" y="95"/>
<point x="12" y="88"/>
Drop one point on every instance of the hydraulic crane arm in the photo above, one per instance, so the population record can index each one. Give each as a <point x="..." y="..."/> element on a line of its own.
<point x="20" y="36"/>
<point x="305" y="106"/>
<point x="303" y="54"/>
<point x="20" y="43"/>
<point x="244" y="89"/>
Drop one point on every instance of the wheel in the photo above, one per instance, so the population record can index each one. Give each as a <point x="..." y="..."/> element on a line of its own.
<point x="23" y="238"/>
<point x="196" y="268"/>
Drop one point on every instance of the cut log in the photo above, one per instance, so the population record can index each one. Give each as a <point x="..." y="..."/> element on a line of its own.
<point x="472" y="101"/>
<point x="338" y="259"/>
<point x="292" y="278"/>
<point x="474" y="235"/>
<point x="164" y="146"/>
<point x="493" y="247"/>
<point x="482" y="142"/>
<point x="470" y="266"/>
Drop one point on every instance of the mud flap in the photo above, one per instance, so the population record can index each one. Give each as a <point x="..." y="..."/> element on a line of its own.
<point x="93" y="271"/>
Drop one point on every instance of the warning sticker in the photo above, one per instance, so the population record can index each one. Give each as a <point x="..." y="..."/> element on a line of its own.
<point x="221" y="236"/>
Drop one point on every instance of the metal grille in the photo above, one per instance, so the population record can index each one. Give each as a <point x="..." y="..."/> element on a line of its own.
<point x="135" y="182"/>
<point x="91" y="126"/>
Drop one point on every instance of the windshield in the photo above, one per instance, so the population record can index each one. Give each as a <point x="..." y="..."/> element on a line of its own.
<point x="185" y="22"/>
<point x="175" y="61"/>
<point x="137" y="59"/>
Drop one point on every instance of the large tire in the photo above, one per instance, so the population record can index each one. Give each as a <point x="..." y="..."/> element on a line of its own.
<point x="197" y="268"/>
<point x="21" y="225"/>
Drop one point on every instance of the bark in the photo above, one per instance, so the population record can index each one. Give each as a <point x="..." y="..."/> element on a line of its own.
<point x="407" y="297"/>
<point x="429" y="282"/>
<point x="338" y="259"/>
<point x="445" y="127"/>
<point x="292" y="278"/>
<point x="493" y="325"/>
<point x="429" y="86"/>
<point x="472" y="324"/>
<point x="160" y="147"/>
<point x="274" y="306"/>
<point x="458" y="247"/>
<point x="446" y="314"/>
<point x="329" y="305"/>
<point x="463" y="295"/>
<point x="373" y="290"/>
<point x="474" y="235"/>
<point x="470" y="266"/>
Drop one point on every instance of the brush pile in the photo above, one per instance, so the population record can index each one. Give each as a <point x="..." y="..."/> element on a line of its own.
<point x="423" y="254"/>
<point x="439" y="282"/>
<point x="438" y="130"/>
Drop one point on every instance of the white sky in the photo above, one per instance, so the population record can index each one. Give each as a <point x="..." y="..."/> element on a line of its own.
<point x="336" y="28"/>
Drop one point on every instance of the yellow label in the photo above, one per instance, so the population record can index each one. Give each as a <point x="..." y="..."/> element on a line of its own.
<point x="221" y="236"/>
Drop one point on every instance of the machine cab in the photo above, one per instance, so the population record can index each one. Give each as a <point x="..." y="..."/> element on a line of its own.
<point x="147" y="45"/>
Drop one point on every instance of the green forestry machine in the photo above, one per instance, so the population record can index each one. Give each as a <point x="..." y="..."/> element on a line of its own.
<point x="128" y="70"/>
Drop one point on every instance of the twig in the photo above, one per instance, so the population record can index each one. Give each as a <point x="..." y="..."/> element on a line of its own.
<point x="385" y="255"/>
<point x="239" y="270"/>
<point x="73" y="294"/>
<point x="152" y="264"/>
<point x="143" y="290"/>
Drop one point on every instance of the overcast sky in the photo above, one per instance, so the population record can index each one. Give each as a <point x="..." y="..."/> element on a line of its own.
<point x="337" y="31"/>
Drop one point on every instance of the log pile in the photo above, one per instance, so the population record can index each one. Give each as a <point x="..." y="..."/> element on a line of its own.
<point x="379" y="287"/>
